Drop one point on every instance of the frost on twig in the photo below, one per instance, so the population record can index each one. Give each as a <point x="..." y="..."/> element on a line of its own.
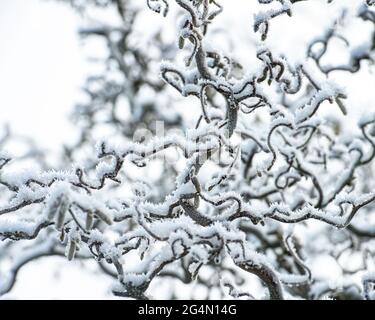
<point x="258" y="158"/>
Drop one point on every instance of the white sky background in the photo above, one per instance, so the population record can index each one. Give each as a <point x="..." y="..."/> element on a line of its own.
<point x="42" y="67"/>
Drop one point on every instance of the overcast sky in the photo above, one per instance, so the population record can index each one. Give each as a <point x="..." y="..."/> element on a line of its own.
<point x="41" y="68"/>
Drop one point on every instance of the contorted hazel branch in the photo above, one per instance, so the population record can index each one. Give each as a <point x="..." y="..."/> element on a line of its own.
<point x="258" y="166"/>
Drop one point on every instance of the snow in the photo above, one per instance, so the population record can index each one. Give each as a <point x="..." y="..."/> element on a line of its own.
<point x="137" y="218"/>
